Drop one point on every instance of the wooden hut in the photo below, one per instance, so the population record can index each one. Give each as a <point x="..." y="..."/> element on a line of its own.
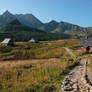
<point x="85" y="44"/>
<point x="7" y="41"/>
<point x="33" y="40"/>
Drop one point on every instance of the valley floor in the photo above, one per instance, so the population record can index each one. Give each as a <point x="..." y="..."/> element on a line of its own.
<point x="37" y="67"/>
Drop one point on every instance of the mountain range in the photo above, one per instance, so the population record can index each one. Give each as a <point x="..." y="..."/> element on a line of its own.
<point x="21" y="32"/>
<point x="53" y="26"/>
<point x="62" y="27"/>
<point x="26" y="19"/>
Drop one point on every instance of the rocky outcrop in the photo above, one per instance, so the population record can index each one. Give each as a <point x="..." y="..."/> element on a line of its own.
<point x="77" y="80"/>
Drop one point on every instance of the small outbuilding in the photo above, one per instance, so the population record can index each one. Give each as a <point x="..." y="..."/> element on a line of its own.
<point x="7" y="41"/>
<point x="33" y="40"/>
<point x="85" y="44"/>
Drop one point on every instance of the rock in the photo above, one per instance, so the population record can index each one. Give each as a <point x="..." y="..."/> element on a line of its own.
<point x="76" y="81"/>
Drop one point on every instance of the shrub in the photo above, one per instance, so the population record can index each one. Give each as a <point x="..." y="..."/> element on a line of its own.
<point x="21" y="54"/>
<point x="49" y="88"/>
<point x="5" y="49"/>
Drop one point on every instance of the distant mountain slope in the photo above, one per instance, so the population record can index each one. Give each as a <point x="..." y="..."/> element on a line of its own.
<point x="29" y="20"/>
<point x="15" y="25"/>
<point x="62" y="27"/>
<point x="51" y="27"/>
<point x="20" y="32"/>
<point x="26" y="19"/>
<point x="6" y="17"/>
<point x="89" y="29"/>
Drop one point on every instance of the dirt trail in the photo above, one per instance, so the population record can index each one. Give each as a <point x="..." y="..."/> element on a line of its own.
<point x="69" y="52"/>
<point x="76" y="80"/>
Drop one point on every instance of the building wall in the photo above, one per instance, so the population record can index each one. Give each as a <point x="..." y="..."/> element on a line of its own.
<point x="90" y="49"/>
<point x="84" y="49"/>
<point x="11" y="43"/>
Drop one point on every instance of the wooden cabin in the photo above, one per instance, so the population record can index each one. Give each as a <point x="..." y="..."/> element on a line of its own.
<point x="85" y="44"/>
<point x="7" y="41"/>
<point x="33" y="40"/>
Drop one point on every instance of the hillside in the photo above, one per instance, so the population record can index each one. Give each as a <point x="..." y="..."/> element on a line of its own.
<point x="53" y="26"/>
<point x="20" y="32"/>
<point x="6" y="17"/>
<point x="35" y="67"/>
<point x="26" y="19"/>
<point x="62" y="27"/>
<point x="89" y="29"/>
<point x="29" y="20"/>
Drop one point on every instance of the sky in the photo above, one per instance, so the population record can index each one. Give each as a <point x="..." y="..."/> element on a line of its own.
<point x="73" y="11"/>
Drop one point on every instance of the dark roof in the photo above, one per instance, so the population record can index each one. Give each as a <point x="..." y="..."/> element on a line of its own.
<point x="86" y="42"/>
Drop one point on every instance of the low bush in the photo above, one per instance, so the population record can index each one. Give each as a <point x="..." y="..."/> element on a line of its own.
<point x="21" y="54"/>
<point x="5" y="49"/>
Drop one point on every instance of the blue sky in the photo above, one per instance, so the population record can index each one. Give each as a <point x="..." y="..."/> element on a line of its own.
<point x="74" y="11"/>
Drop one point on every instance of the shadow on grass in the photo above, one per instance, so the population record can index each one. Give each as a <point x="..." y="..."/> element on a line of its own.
<point x="68" y="69"/>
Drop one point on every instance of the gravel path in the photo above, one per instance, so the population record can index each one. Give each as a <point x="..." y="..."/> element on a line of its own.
<point x="69" y="52"/>
<point x="76" y="80"/>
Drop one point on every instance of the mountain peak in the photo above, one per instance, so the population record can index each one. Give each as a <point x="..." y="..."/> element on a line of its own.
<point x="53" y="21"/>
<point x="7" y="13"/>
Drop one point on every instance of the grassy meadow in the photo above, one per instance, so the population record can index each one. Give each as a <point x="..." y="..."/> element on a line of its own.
<point x="36" y="67"/>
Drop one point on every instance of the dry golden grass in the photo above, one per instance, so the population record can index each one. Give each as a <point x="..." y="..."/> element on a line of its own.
<point x="43" y="71"/>
<point x="18" y="63"/>
<point x="43" y="62"/>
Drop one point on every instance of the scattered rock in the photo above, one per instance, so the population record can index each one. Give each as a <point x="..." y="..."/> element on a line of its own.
<point x="76" y="81"/>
